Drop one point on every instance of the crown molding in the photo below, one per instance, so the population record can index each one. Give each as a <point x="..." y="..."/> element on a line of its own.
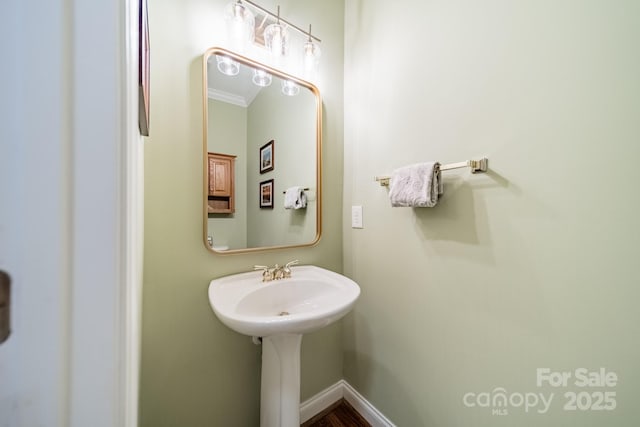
<point x="230" y="98"/>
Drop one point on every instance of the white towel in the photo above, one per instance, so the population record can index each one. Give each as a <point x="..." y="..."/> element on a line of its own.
<point x="416" y="185"/>
<point x="294" y="198"/>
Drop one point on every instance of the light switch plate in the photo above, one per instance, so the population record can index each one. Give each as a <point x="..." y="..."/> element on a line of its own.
<point x="356" y="217"/>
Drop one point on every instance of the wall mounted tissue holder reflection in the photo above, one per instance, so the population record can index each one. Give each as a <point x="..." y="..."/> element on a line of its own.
<point x="476" y="166"/>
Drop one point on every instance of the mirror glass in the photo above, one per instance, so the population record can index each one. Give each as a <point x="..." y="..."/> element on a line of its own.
<point x="262" y="148"/>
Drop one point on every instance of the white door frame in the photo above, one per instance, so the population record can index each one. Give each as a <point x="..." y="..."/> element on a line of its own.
<point x="70" y="212"/>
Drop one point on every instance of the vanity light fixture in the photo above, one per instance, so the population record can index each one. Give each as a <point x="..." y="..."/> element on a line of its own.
<point x="240" y="24"/>
<point x="261" y="77"/>
<point x="274" y="36"/>
<point x="290" y="88"/>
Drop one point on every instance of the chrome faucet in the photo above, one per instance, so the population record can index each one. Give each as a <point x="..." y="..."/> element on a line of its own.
<point x="276" y="272"/>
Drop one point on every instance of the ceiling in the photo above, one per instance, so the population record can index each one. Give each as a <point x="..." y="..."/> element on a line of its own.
<point x="238" y="90"/>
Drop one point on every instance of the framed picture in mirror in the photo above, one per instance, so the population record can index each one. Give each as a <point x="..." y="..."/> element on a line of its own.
<point x="266" y="194"/>
<point x="267" y="157"/>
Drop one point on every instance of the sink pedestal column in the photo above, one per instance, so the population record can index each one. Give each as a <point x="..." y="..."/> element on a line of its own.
<point x="280" y="388"/>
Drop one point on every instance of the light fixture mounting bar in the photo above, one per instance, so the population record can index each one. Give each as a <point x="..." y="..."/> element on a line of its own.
<point x="273" y="15"/>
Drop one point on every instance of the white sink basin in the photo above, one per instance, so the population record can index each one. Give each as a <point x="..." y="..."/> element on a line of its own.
<point x="309" y="300"/>
<point x="281" y="311"/>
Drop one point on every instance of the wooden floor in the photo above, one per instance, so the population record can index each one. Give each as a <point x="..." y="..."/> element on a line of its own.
<point x="340" y="414"/>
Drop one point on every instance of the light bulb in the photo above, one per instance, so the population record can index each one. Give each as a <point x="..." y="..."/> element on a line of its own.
<point x="261" y="77"/>
<point x="289" y="88"/>
<point x="227" y="66"/>
<point x="276" y="38"/>
<point x="311" y="58"/>
<point x="240" y="24"/>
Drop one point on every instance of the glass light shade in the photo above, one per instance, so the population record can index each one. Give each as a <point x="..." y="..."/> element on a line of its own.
<point x="276" y="38"/>
<point x="261" y="77"/>
<point x="289" y="88"/>
<point x="311" y="59"/>
<point x="227" y="66"/>
<point x="240" y="24"/>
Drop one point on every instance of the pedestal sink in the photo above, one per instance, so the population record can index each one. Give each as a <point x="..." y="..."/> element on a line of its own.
<point x="280" y="312"/>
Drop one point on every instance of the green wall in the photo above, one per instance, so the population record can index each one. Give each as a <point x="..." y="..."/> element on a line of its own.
<point x="228" y="135"/>
<point x="241" y="131"/>
<point x="291" y="122"/>
<point x="195" y="371"/>
<point x="532" y="265"/>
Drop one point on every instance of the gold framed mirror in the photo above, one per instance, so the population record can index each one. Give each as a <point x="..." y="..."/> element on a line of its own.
<point x="262" y="156"/>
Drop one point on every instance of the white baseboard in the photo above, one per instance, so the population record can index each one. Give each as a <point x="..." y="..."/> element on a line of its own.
<point x="339" y="390"/>
<point x="321" y="401"/>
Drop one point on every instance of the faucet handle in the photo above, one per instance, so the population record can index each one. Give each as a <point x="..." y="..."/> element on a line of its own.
<point x="267" y="273"/>
<point x="287" y="268"/>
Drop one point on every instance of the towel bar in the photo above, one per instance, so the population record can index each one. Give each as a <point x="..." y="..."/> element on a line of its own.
<point x="304" y="189"/>
<point x="476" y="166"/>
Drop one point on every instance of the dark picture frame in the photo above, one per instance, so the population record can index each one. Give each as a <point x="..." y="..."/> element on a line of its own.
<point x="143" y="68"/>
<point x="266" y="193"/>
<point x="267" y="157"/>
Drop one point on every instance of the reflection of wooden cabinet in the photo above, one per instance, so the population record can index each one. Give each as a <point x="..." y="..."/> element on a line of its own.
<point x="221" y="179"/>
